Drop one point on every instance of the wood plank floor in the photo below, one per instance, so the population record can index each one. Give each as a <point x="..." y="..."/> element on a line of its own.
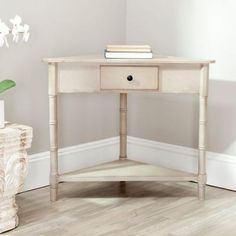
<point x="147" y="208"/>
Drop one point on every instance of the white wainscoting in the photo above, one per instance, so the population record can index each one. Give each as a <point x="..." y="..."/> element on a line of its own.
<point x="70" y="159"/>
<point x="221" y="168"/>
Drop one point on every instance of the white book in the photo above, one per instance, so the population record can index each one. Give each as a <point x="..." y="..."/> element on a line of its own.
<point x="128" y="55"/>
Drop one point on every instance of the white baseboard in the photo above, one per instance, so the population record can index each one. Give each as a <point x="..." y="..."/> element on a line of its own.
<point x="70" y="159"/>
<point x="221" y="168"/>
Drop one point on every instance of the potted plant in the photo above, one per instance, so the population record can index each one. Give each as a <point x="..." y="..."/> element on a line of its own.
<point x="4" y="85"/>
<point x="16" y="30"/>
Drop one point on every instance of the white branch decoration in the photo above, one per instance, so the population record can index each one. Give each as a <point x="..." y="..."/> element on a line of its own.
<point x="17" y="29"/>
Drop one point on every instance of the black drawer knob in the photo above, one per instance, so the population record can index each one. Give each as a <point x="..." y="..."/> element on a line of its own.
<point x="129" y="77"/>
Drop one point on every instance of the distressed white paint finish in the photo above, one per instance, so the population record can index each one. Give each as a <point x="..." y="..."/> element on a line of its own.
<point x="115" y="77"/>
<point x="14" y="140"/>
<point x="177" y="78"/>
<point x="177" y="75"/>
<point x="99" y="59"/>
<point x="221" y="168"/>
<point x="160" y="74"/>
<point x="53" y="126"/>
<point x="72" y="79"/>
<point x="127" y="170"/>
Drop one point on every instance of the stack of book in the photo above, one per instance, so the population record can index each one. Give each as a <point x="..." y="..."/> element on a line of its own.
<point x="128" y="52"/>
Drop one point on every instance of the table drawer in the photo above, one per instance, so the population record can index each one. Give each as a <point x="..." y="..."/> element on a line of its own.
<point x="129" y="77"/>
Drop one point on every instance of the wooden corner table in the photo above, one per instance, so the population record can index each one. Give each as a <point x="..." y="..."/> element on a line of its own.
<point x="92" y="74"/>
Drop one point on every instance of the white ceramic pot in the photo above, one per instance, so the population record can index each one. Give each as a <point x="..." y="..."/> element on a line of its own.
<point x="2" y="114"/>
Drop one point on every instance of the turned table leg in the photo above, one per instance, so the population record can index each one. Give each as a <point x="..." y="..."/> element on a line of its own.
<point x="52" y="69"/>
<point x="202" y="133"/>
<point x="123" y="126"/>
<point x="123" y="133"/>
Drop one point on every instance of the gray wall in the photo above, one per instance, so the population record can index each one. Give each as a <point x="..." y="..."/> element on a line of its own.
<point x="60" y="28"/>
<point x="191" y="28"/>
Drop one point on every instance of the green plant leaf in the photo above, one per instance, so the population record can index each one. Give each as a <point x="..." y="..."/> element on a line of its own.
<point x="6" y="84"/>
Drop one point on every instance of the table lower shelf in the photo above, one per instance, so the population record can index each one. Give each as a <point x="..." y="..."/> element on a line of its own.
<point x="127" y="170"/>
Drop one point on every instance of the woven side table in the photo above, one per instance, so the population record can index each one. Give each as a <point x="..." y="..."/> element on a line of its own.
<point x="14" y="140"/>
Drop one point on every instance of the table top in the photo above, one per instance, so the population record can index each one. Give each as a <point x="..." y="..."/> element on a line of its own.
<point x="99" y="59"/>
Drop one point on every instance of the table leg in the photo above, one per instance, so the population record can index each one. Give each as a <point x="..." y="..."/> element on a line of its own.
<point x="53" y="131"/>
<point x="123" y="133"/>
<point x="123" y="126"/>
<point x="202" y="133"/>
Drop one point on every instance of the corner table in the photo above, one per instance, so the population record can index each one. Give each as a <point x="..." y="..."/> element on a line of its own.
<point x="95" y="74"/>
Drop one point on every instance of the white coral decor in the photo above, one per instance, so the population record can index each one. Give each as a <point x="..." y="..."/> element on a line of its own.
<point x="17" y="29"/>
<point x="4" y="31"/>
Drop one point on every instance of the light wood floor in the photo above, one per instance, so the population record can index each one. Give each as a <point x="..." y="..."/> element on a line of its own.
<point x="149" y="208"/>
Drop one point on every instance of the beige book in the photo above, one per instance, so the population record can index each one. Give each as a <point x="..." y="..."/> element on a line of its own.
<point x="128" y="48"/>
